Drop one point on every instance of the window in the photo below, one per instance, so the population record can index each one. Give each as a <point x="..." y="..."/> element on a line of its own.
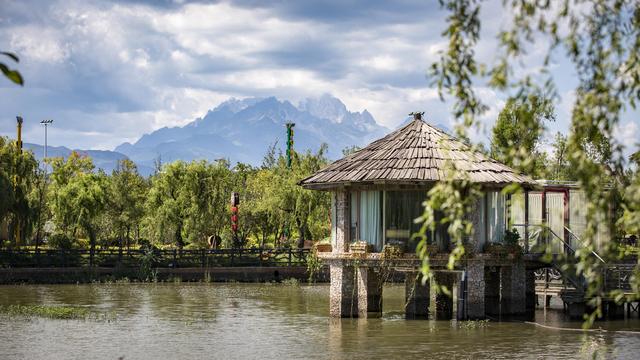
<point x="353" y="216"/>
<point x="334" y="224"/>
<point x="370" y="224"/>
<point x="495" y="216"/>
<point x="401" y="209"/>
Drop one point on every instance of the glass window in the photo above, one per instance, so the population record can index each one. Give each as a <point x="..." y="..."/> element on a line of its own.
<point x="333" y="220"/>
<point x="495" y="216"/>
<point x="370" y="226"/>
<point x="401" y="209"/>
<point x="353" y="216"/>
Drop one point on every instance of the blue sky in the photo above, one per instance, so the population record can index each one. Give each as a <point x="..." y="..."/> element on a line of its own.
<point x="108" y="72"/>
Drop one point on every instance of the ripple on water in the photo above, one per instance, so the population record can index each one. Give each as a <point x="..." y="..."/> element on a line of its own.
<point x="267" y="321"/>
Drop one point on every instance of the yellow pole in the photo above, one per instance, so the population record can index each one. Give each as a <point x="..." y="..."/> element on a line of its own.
<point x="15" y="178"/>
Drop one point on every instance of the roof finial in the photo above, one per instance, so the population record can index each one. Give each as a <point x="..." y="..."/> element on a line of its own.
<point x="417" y="115"/>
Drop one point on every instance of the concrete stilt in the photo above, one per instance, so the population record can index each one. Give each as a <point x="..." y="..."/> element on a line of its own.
<point x="475" y="305"/>
<point x="343" y="294"/>
<point x="513" y="286"/>
<point x="614" y="311"/>
<point x="444" y="302"/>
<point x="492" y="291"/>
<point x="530" y="292"/>
<point x="369" y="289"/>
<point x="416" y="296"/>
<point x="576" y="309"/>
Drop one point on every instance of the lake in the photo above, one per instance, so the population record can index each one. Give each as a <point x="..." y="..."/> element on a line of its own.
<point x="273" y="321"/>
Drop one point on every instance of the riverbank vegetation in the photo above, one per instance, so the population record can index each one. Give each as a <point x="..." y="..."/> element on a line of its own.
<point x="182" y="205"/>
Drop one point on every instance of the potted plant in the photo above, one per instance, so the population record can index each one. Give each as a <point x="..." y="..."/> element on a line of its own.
<point x="509" y="245"/>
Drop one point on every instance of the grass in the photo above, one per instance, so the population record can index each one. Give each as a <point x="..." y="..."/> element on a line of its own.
<point x="44" y="311"/>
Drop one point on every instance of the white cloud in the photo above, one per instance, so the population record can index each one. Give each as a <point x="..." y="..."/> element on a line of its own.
<point x="110" y="72"/>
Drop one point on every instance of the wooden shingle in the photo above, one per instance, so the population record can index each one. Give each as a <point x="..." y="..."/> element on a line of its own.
<point x="416" y="152"/>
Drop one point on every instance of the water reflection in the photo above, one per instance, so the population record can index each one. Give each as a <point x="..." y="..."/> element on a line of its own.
<point x="240" y="321"/>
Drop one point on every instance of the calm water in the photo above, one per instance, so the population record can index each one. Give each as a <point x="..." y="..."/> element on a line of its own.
<point x="249" y="321"/>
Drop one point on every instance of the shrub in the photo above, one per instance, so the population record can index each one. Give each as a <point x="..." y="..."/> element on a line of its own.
<point x="60" y="241"/>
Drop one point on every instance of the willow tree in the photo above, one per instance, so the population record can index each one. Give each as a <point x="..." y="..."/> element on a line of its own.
<point x="600" y="39"/>
<point x="78" y="197"/>
<point x="17" y="180"/>
<point x="127" y="194"/>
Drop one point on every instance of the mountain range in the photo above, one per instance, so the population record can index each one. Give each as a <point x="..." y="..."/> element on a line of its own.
<point x="243" y="130"/>
<point x="102" y="159"/>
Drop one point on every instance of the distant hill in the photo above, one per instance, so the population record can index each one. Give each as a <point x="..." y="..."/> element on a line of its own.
<point x="242" y="130"/>
<point x="102" y="159"/>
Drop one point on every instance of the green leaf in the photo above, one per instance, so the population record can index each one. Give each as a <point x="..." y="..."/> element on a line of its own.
<point x="12" y="75"/>
<point x="11" y="55"/>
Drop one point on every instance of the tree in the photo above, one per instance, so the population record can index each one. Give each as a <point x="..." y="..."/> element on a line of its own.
<point x="601" y="42"/>
<point x="517" y="133"/>
<point x="127" y="193"/>
<point x="63" y="173"/>
<point x="79" y="197"/>
<point x="17" y="180"/>
<point x="560" y="168"/>
<point x="188" y="202"/>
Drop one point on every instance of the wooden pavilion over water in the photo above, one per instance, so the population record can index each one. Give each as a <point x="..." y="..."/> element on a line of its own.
<point x="378" y="191"/>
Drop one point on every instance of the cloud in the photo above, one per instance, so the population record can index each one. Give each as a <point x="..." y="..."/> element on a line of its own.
<point x="108" y="72"/>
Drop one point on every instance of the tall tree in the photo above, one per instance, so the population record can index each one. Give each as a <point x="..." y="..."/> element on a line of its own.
<point x="127" y="194"/>
<point x="559" y="166"/>
<point x="518" y="131"/>
<point x="79" y="197"/>
<point x="17" y="180"/>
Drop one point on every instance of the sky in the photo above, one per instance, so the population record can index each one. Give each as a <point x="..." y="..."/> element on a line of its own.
<point x="109" y="72"/>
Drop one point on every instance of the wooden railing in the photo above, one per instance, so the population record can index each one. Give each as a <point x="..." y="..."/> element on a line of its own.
<point x="153" y="257"/>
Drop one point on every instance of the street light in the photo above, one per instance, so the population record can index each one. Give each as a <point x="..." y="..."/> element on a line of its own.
<point x="45" y="123"/>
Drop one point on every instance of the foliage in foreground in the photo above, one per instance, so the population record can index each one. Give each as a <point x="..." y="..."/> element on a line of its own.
<point x="601" y="41"/>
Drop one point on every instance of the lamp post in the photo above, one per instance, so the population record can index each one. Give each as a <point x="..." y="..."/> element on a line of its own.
<point x="45" y="123"/>
<point x="44" y="184"/>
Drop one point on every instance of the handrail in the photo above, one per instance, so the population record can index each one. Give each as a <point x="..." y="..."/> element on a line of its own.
<point x="567" y="245"/>
<point x="580" y="240"/>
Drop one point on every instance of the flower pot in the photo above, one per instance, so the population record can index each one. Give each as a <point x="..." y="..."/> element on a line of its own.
<point x="323" y="247"/>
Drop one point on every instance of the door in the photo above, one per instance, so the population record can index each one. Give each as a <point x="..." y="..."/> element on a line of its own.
<point x="555" y="221"/>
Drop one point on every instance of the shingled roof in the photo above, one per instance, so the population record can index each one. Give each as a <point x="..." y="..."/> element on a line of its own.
<point x="417" y="153"/>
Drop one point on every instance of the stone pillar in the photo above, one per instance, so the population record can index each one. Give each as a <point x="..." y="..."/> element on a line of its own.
<point x="444" y="302"/>
<point x="475" y="297"/>
<point x="530" y="292"/>
<point x="369" y="288"/>
<point x="343" y="292"/>
<point x="342" y="222"/>
<point x="576" y="310"/>
<point x="417" y="296"/>
<point x="491" y="291"/>
<point x="614" y="311"/>
<point x="513" y="284"/>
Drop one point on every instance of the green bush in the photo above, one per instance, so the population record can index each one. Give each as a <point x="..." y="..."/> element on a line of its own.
<point x="60" y="241"/>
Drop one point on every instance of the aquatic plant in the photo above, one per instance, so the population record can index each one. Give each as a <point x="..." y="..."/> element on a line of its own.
<point x="45" y="311"/>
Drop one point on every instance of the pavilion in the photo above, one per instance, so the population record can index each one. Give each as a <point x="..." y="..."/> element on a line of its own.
<point x="378" y="191"/>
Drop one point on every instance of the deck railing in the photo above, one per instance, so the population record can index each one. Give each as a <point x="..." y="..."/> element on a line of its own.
<point x="174" y="258"/>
